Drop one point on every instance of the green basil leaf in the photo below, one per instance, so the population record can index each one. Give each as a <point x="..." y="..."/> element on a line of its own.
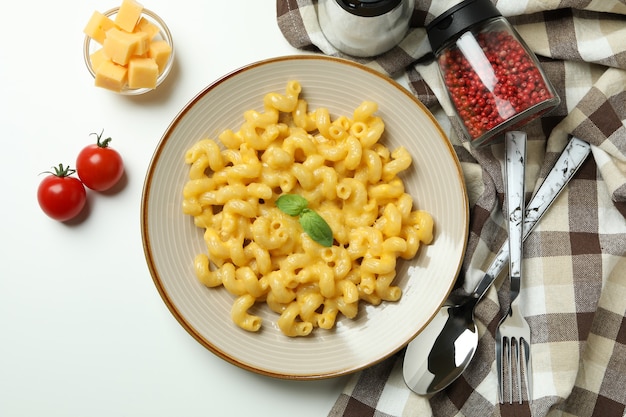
<point x="291" y="204"/>
<point x="316" y="227"/>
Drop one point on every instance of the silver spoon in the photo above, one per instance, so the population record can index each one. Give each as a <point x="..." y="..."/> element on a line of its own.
<point x="442" y="351"/>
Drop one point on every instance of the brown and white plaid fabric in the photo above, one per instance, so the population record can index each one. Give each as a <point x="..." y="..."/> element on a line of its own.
<point x="574" y="289"/>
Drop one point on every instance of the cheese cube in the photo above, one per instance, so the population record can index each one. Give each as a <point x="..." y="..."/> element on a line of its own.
<point x="111" y="76"/>
<point x="142" y="73"/>
<point x="97" y="26"/>
<point x="120" y="45"/>
<point x="128" y="15"/>
<point x="160" y="51"/>
<point x="144" y="25"/>
<point x="97" y="58"/>
<point x="143" y="43"/>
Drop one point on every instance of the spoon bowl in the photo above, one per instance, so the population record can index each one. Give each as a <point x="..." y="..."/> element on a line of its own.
<point x="455" y="338"/>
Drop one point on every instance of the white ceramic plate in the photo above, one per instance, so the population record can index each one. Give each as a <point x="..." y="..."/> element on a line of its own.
<point x="171" y="240"/>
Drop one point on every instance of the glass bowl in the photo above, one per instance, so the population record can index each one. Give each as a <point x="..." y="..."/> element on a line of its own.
<point x="90" y="46"/>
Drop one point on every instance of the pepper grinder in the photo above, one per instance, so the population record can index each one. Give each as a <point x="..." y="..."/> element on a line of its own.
<point x="492" y="78"/>
<point x="364" y="28"/>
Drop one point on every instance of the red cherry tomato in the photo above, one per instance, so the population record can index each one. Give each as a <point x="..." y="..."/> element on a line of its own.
<point x="99" y="167"/>
<point x="60" y="196"/>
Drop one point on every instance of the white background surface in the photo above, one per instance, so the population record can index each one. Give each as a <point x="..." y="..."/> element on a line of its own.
<point x="83" y="330"/>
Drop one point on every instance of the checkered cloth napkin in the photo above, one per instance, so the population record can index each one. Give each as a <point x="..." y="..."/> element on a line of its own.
<point x="574" y="289"/>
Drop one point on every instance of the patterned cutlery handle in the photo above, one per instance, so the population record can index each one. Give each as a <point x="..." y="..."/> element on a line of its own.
<point x="515" y="167"/>
<point x="564" y="169"/>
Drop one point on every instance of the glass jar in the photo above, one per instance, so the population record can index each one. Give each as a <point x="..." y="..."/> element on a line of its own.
<point x="493" y="80"/>
<point x="364" y="28"/>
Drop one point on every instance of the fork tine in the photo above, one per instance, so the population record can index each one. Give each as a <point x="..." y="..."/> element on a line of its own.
<point x="499" y="365"/>
<point x="528" y="370"/>
<point x="504" y="358"/>
<point x="518" y="364"/>
<point x="509" y="358"/>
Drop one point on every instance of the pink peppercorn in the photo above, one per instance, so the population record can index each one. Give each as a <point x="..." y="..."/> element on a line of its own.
<point x="493" y="80"/>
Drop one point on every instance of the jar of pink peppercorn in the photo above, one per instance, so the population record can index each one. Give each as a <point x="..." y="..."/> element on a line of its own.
<point x="494" y="81"/>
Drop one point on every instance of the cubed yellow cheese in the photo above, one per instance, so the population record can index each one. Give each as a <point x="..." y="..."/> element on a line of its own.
<point x="98" y="58"/>
<point x="142" y="73"/>
<point x="120" y="45"/>
<point x="127" y="38"/>
<point x="143" y="43"/>
<point x="160" y="51"/>
<point x="97" y="26"/>
<point x="111" y="76"/>
<point x="128" y="15"/>
<point x="144" y="25"/>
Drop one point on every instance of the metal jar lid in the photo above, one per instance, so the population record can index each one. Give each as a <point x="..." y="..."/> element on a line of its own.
<point x="368" y="8"/>
<point x="455" y="21"/>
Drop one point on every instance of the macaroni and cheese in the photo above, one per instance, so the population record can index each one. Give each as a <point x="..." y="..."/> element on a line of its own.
<point x="262" y="255"/>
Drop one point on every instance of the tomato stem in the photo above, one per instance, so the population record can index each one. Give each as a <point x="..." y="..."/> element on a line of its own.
<point x="102" y="143"/>
<point x="61" y="171"/>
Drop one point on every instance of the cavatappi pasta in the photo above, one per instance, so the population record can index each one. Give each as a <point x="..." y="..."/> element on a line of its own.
<point x="260" y="254"/>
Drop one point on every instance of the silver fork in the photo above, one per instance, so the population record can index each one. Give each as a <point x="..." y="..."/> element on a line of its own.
<point x="513" y="332"/>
